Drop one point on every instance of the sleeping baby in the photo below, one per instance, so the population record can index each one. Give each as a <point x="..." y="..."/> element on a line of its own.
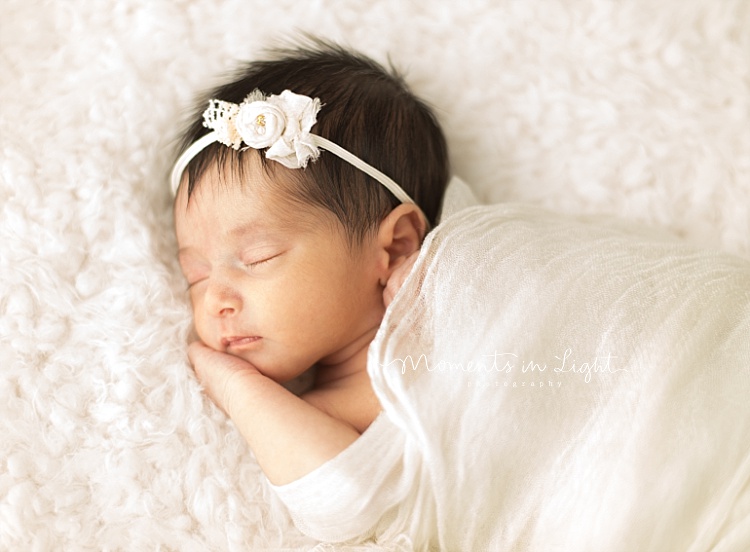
<point x="485" y="377"/>
<point x="288" y="235"/>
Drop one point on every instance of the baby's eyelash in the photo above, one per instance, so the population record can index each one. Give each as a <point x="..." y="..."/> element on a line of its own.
<point x="262" y="261"/>
<point x="191" y="285"/>
<point x="256" y="263"/>
<point x="250" y="265"/>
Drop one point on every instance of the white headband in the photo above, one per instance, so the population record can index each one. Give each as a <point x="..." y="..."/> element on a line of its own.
<point x="280" y="123"/>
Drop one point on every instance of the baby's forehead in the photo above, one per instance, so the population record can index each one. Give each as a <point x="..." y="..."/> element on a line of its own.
<point x="228" y="182"/>
<point x="244" y="188"/>
<point x="232" y="210"/>
<point x="226" y="209"/>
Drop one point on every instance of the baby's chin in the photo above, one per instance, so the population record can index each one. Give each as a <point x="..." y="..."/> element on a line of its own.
<point x="282" y="370"/>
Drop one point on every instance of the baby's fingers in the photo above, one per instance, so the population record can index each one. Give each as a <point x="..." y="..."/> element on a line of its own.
<point x="223" y="376"/>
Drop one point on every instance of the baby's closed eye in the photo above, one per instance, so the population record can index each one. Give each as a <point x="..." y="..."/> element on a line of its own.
<point x="256" y="260"/>
<point x="194" y="271"/>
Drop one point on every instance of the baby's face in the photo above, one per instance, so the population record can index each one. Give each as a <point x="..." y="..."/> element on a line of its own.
<point x="282" y="292"/>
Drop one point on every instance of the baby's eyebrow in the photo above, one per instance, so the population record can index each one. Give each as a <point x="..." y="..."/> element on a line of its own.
<point x="249" y="227"/>
<point x="255" y="229"/>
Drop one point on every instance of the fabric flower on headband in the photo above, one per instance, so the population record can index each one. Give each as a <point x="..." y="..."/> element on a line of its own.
<point x="280" y="123"/>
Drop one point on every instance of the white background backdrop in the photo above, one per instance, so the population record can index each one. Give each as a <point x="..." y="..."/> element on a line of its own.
<point x="633" y="109"/>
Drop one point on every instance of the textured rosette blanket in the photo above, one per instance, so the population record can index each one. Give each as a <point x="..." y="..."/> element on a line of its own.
<point x="551" y="384"/>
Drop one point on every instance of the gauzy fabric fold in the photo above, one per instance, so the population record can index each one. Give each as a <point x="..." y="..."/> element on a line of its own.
<point x="551" y="383"/>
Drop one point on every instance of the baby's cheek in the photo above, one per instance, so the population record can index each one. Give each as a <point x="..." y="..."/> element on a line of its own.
<point x="202" y="329"/>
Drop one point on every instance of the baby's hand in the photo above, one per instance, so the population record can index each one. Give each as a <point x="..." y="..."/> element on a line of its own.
<point x="289" y="436"/>
<point x="223" y="376"/>
<point x="397" y="278"/>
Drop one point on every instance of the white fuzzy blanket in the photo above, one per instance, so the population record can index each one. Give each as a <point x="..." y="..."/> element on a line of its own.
<point x="636" y="109"/>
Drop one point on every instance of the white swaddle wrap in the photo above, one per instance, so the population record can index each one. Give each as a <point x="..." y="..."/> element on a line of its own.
<point x="551" y="384"/>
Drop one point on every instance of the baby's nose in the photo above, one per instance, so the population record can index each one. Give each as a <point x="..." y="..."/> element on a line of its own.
<point x="226" y="311"/>
<point x="222" y="300"/>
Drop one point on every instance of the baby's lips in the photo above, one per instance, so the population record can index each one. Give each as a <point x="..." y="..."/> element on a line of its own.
<point x="237" y="341"/>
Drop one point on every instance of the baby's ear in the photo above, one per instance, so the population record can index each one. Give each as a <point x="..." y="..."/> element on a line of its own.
<point x="400" y="234"/>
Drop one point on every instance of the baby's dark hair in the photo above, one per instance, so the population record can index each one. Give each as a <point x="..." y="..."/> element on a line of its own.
<point x="367" y="110"/>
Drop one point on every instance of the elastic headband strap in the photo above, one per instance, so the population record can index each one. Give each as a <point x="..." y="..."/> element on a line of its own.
<point x="212" y="137"/>
<point x="352" y="159"/>
<point x="187" y="156"/>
